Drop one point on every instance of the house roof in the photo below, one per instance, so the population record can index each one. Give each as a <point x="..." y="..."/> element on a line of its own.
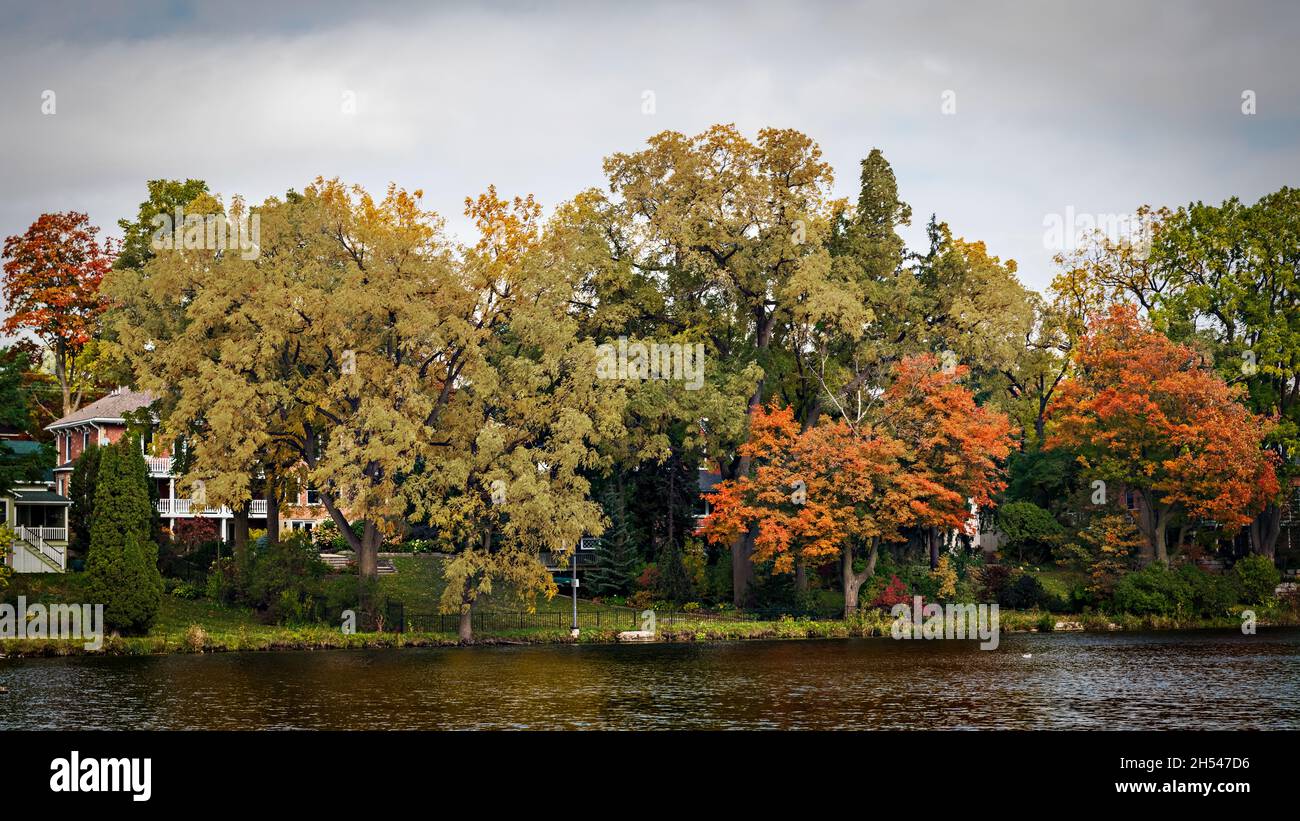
<point x="707" y="480"/>
<point x="111" y="408"/>
<point x="39" y="497"/>
<point x="22" y="447"/>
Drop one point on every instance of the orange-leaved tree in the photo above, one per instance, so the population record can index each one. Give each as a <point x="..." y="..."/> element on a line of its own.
<point x="51" y="282"/>
<point x="1152" y="416"/>
<point x="840" y="490"/>
<point x="956" y="447"/>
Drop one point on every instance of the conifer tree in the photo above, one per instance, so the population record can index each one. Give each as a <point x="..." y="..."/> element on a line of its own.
<point x="123" y="562"/>
<point x="81" y="490"/>
<point x="616" y="557"/>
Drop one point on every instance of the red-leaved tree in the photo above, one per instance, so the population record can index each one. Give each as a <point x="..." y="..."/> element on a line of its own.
<point x="51" y="285"/>
<point x="845" y="487"/>
<point x="1150" y="415"/>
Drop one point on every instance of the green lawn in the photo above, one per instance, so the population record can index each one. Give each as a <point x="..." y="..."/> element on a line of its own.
<point x="418" y="584"/>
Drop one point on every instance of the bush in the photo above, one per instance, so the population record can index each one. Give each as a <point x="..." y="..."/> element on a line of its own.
<point x="1210" y="595"/>
<point x="328" y="539"/>
<point x="1153" y="591"/>
<point x="1029" y="530"/>
<point x="895" y="592"/>
<point x="994" y="578"/>
<point x="285" y="580"/>
<point x="1257" y="579"/>
<point x="223" y="583"/>
<point x="127" y="583"/>
<point x="182" y="589"/>
<point x="1025" y="592"/>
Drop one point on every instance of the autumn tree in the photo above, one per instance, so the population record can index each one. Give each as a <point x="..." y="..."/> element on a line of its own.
<point x="1152" y="417"/>
<point x="52" y="274"/>
<point x="956" y="447"/>
<point x="715" y="237"/>
<point x="187" y="325"/>
<point x="517" y="414"/>
<point x="1235" y="289"/>
<point x="919" y="458"/>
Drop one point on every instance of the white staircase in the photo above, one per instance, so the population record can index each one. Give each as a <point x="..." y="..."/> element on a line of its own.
<point x="339" y="561"/>
<point x="32" y="554"/>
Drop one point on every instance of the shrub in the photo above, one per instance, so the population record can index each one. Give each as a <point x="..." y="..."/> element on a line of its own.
<point x="191" y="534"/>
<point x="223" y="580"/>
<point x="1153" y="591"/>
<point x="183" y="589"/>
<point x="1257" y="578"/>
<point x="945" y="579"/>
<point x="285" y="581"/>
<point x="1025" y="592"/>
<point x="1105" y="549"/>
<point x="994" y="579"/>
<point x="1029" y="529"/>
<point x="195" y="638"/>
<point x="1210" y="595"/>
<point x="328" y="539"/>
<point x="895" y="592"/>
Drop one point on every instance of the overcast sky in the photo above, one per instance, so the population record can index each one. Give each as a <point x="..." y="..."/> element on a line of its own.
<point x="1098" y="107"/>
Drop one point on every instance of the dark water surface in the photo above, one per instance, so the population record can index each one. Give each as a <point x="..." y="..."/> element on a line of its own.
<point x="1195" y="680"/>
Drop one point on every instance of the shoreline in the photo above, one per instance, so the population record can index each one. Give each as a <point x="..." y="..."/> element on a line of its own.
<point x="197" y="640"/>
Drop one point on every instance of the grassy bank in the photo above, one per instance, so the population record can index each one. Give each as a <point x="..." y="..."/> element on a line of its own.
<point x="202" y="626"/>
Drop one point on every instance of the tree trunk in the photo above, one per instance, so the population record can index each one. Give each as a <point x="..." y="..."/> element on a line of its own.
<point x="61" y="373"/>
<point x="239" y="532"/>
<point x="368" y="552"/>
<point x="466" y="630"/>
<point x="467" y="596"/>
<point x="272" y="509"/>
<point x="742" y="567"/>
<point x="1264" y="531"/>
<point x="853" y="581"/>
<point x="1153" y="522"/>
<point x="932" y="535"/>
<point x="800" y="576"/>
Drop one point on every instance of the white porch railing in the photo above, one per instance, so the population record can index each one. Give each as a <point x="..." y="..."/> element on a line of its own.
<point x="186" y="507"/>
<point x="159" y="465"/>
<point x="53" y="534"/>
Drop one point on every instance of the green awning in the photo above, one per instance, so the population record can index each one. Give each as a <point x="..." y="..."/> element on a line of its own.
<point x="39" y="497"/>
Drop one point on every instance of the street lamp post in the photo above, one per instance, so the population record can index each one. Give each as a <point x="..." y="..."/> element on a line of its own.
<point x="574" y="582"/>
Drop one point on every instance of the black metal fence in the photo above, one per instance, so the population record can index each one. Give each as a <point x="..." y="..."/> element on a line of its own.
<point x="396" y="619"/>
<point x="504" y="620"/>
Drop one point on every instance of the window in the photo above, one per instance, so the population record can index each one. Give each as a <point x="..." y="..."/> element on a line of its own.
<point x="85" y="439"/>
<point x="313" y="496"/>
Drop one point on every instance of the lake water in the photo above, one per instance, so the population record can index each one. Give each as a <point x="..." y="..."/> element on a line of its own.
<point x="1196" y="680"/>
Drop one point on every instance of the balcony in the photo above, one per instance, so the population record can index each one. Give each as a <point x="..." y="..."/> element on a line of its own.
<point x="186" y="507"/>
<point x="159" y="465"/>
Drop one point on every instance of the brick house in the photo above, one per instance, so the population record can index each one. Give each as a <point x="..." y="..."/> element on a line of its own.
<point x="105" y="421"/>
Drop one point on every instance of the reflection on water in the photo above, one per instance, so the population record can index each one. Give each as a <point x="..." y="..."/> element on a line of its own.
<point x="1195" y="680"/>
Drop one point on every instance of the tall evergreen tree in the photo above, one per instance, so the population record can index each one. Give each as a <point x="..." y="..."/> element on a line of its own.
<point x="81" y="490"/>
<point x="123" y="562"/>
<point x="616" y="558"/>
